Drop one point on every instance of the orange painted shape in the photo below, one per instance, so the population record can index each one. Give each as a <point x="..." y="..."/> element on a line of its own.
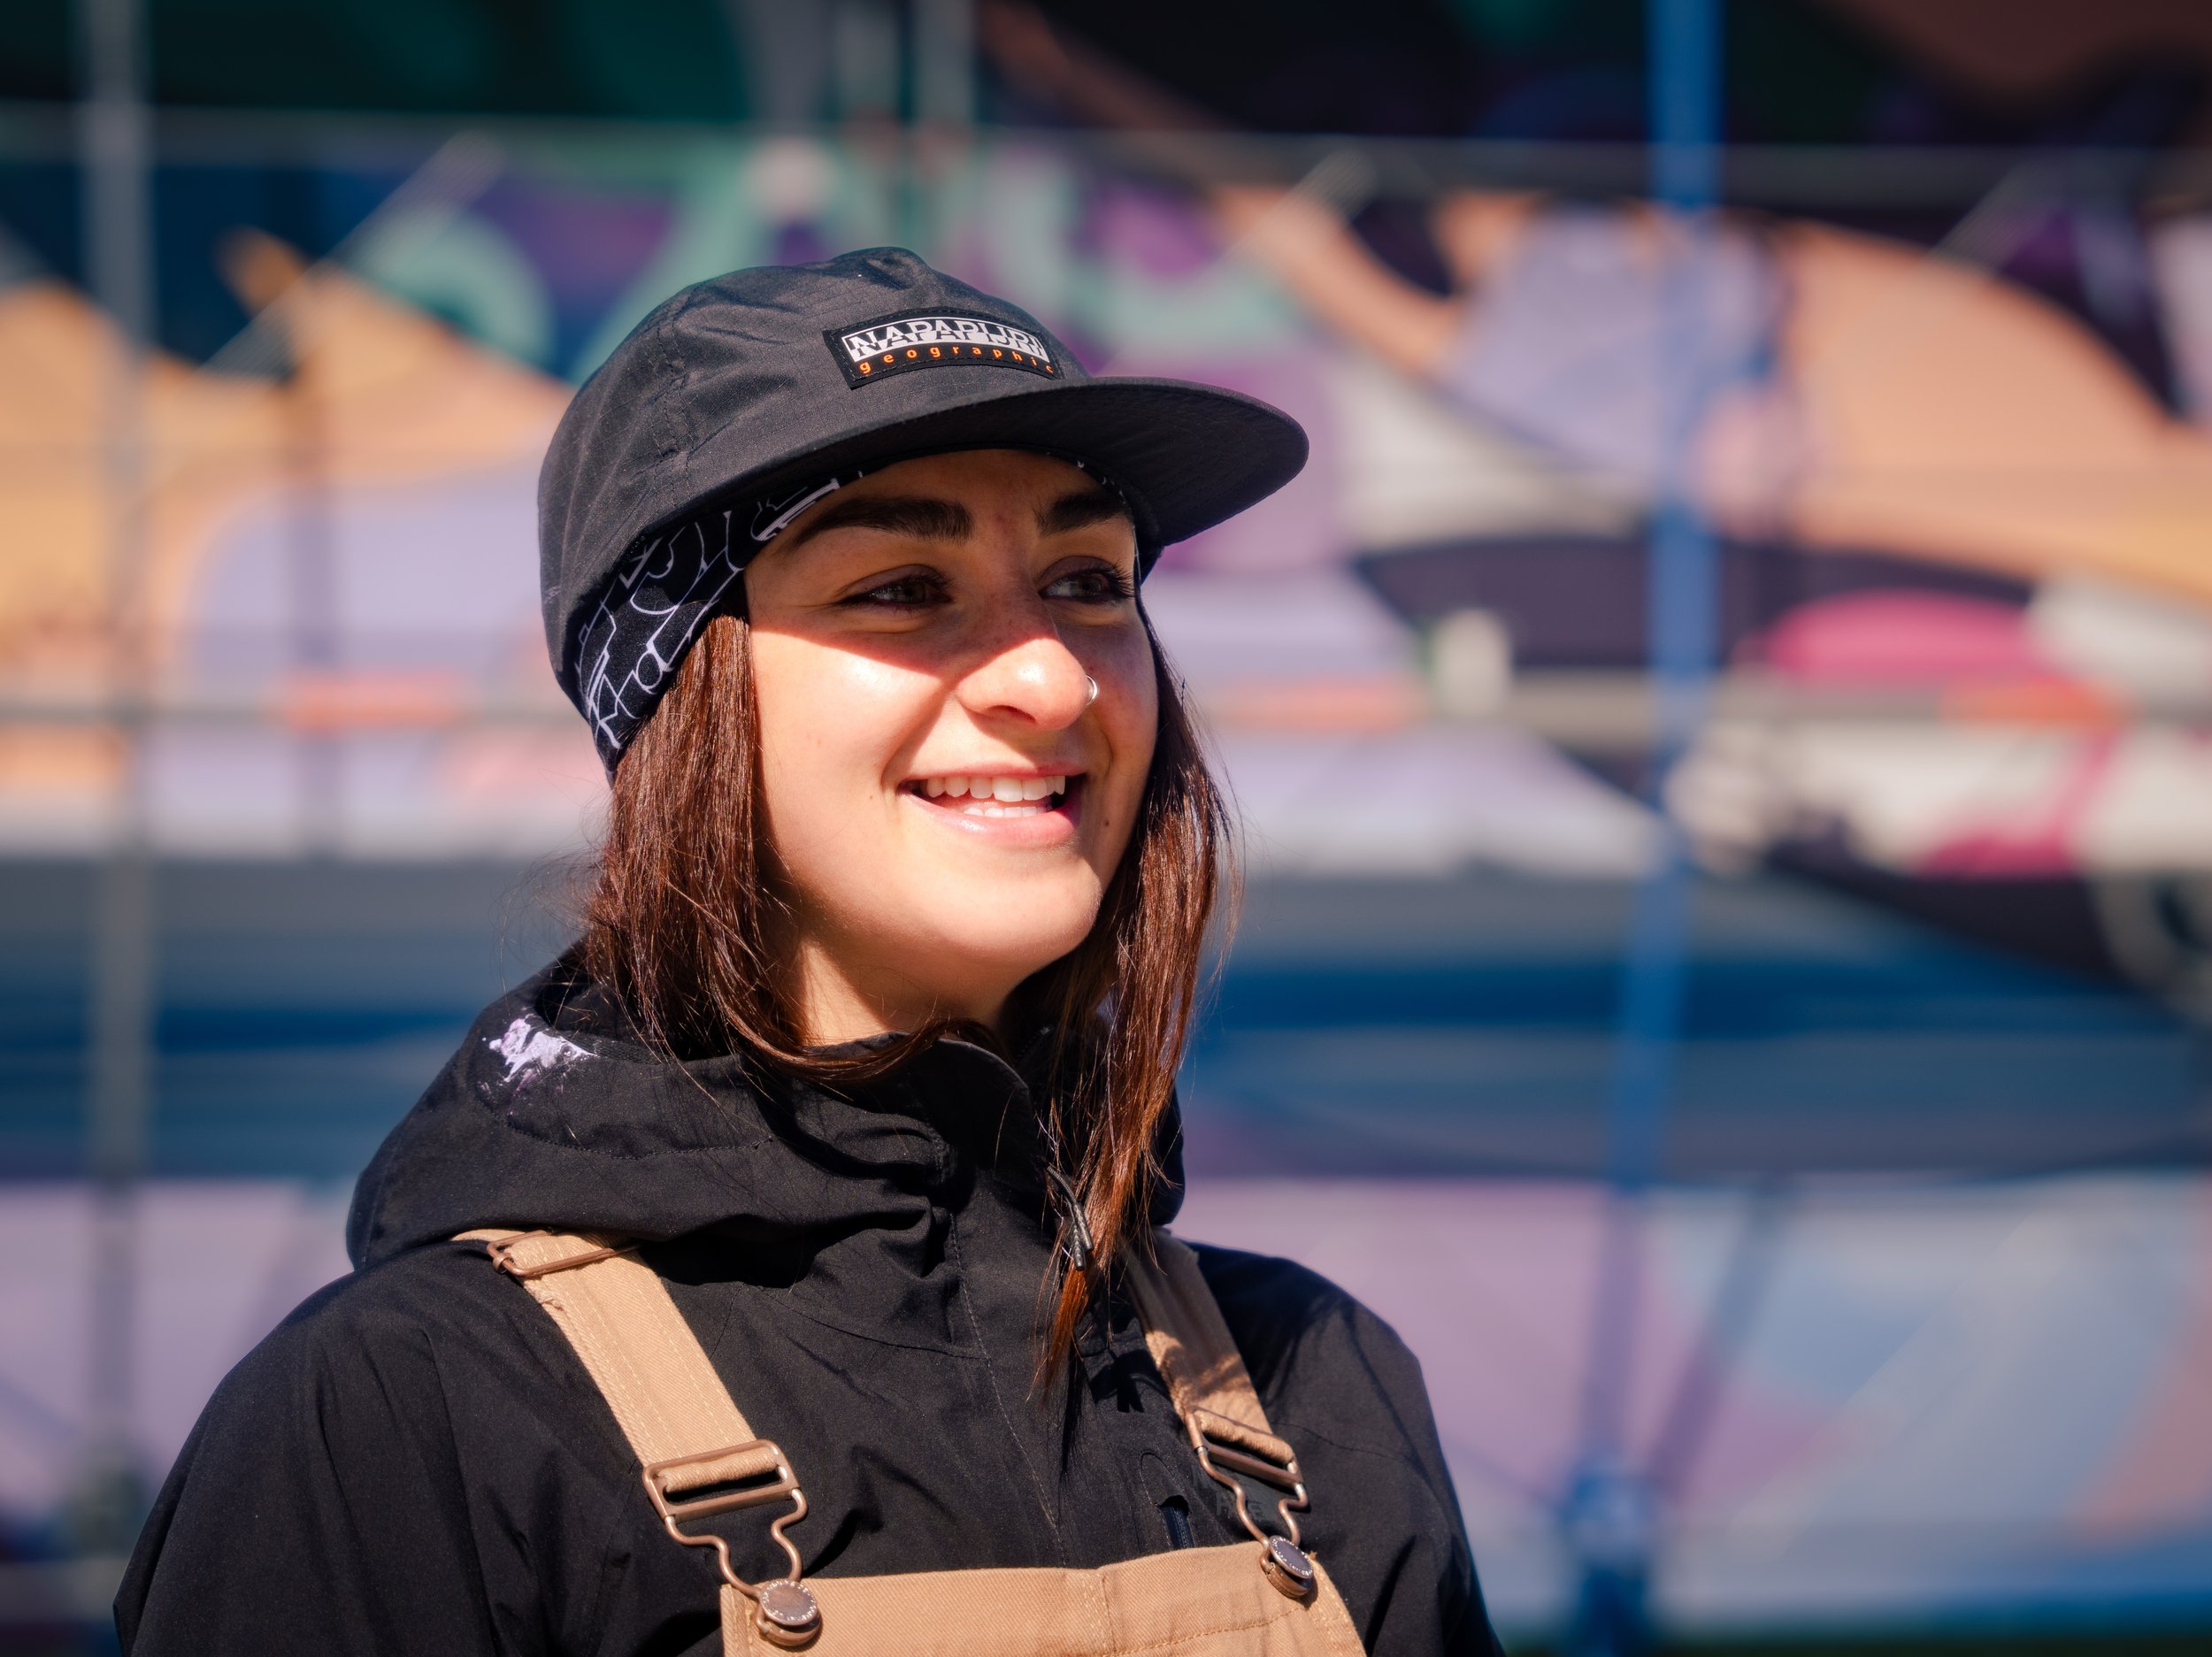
<point x="2066" y="703"/>
<point x="328" y="703"/>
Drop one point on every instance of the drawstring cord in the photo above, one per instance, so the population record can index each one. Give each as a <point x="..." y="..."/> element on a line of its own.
<point x="1082" y="1253"/>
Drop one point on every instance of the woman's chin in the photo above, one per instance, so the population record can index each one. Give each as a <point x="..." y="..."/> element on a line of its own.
<point x="972" y="955"/>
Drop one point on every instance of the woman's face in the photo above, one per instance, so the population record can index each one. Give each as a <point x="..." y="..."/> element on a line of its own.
<point x="946" y="799"/>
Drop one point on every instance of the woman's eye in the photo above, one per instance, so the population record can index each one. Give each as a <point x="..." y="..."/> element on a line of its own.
<point x="1099" y="585"/>
<point x="901" y="592"/>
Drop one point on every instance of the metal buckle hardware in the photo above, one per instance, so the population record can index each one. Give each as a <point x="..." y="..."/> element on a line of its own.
<point x="785" y="1612"/>
<point x="503" y="1257"/>
<point x="788" y="1615"/>
<point x="1221" y="1459"/>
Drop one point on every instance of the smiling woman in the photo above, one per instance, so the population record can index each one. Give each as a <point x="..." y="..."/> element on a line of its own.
<point x="845" y="1191"/>
<point x="797" y="856"/>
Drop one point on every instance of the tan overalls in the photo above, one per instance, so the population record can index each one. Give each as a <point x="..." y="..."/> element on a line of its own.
<point x="1264" y="1598"/>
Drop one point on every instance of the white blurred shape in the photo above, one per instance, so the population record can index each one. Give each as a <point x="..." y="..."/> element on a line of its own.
<point x="1470" y="663"/>
<point x="2142" y="642"/>
<point x="790" y="180"/>
<point x="2181" y="268"/>
<point x="1413" y="469"/>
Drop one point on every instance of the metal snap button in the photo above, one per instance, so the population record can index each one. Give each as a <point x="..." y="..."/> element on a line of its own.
<point x="789" y="1614"/>
<point x="1287" y="1567"/>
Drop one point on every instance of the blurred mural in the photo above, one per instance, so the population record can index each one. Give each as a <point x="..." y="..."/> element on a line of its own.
<point x="1916" y="1264"/>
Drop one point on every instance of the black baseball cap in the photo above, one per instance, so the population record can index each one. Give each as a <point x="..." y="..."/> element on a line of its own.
<point x="741" y="400"/>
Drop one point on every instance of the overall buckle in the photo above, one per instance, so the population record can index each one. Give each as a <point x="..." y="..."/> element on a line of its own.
<point x="1226" y="1452"/>
<point x="502" y="1253"/>
<point x="788" y="1615"/>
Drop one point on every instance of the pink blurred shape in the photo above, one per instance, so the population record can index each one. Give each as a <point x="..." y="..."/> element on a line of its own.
<point x="1900" y="639"/>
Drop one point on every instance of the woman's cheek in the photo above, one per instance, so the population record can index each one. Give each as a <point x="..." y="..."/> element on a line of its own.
<point x="1132" y="717"/>
<point x="829" y="730"/>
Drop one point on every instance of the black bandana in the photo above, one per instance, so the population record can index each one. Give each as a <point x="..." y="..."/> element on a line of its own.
<point x="659" y="598"/>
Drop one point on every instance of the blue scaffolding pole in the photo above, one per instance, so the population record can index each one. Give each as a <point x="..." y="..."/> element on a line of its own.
<point x="1611" y="1508"/>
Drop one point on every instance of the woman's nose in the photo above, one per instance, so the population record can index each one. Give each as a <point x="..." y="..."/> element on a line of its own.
<point x="1038" y="680"/>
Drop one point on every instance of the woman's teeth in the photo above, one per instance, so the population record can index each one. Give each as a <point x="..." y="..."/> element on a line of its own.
<point x="998" y="796"/>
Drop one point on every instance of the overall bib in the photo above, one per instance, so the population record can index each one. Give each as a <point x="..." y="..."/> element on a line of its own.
<point x="1264" y="1598"/>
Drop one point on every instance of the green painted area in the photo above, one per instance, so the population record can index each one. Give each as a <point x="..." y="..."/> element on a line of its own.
<point x="466" y="271"/>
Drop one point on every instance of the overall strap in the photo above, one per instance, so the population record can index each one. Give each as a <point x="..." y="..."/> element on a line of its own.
<point x="1213" y="1392"/>
<point x="698" y="1456"/>
<point x="1197" y="1355"/>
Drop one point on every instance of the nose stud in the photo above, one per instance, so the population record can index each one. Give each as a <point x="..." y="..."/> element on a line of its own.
<point x="1090" y="690"/>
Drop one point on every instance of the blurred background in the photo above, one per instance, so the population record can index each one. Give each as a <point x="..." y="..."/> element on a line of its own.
<point x="1723" y="724"/>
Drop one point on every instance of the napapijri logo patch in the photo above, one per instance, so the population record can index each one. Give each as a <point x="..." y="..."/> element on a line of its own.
<point x="936" y="339"/>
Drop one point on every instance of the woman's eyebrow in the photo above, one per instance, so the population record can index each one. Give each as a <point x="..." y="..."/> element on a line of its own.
<point x="918" y="517"/>
<point x="1079" y="511"/>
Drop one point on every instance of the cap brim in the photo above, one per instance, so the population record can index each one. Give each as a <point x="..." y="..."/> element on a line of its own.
<point x="1188" y="456"/>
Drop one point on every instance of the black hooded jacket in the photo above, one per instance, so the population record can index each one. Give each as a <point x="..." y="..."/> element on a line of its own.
<point x="415" y="1461"/>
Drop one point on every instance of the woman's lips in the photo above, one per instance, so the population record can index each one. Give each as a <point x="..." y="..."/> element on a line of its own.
<point x="977" y="795"/>
<point x="1039" y="809"/>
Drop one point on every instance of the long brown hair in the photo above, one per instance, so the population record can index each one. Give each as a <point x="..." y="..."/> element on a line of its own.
<point x="681" y="923"/>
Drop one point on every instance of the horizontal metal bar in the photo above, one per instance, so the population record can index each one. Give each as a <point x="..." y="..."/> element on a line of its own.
<point x="280" y="715"/>
<point x="1595" y="710"/>
<point x="1803" y="175"/>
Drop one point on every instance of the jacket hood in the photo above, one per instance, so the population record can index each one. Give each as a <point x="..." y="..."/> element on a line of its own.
<point x="553" y="1114"/>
